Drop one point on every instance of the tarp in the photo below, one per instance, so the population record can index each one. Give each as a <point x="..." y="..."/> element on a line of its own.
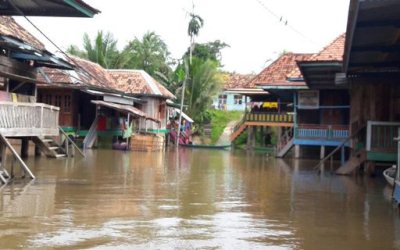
<point x="125" y="109"/>
<point x="184" y="116"/>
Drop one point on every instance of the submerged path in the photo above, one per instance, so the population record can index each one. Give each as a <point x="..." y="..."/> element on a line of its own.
<point x="224" y="138"/>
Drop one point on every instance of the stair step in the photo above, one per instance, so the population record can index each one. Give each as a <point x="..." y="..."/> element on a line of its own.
<point x="60" y="155"/>
<point x="47" y="140"/>
<point x="53" y="148"/>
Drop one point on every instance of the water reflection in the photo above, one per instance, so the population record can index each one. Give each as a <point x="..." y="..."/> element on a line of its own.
<point x="194" y="199"/>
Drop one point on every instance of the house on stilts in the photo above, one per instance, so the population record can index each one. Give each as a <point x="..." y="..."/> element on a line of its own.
<point x="271" y="103"/>
<point x="371" y="69"/>
<point x="22" y="58"/>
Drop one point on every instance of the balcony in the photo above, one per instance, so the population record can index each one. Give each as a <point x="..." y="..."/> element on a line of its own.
<point x="28" y="119"/>
<point x="269" y="117"/>
<point x="318" y="134"/>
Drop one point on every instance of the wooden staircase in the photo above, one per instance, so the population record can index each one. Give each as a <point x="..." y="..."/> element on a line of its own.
<point x="54" y="149"/>
<point x="353" y="163"/>
<point x="238" y="130"/>
<point x="286" y="143"/>
<point x="285" y="149"/>
<point x="49" y="147"/>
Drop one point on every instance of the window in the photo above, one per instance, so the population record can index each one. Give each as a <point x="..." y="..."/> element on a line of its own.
<point x="237" y="99"/>
<point x="67" y="103"/>
<point x="222" y="99"/>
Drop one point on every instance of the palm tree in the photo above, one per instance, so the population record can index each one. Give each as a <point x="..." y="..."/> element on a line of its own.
<point x="149" y="53"/>
<point x="205" y="81"/>
<point x="103" y="51"/>
<point x="195" y="24"/>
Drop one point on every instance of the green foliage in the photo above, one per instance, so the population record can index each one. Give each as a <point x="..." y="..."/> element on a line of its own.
<point x="219" y="119"/>
<point x="195" y="24"/>
<point x="204" y="82"/>
<point x="149" y="53"/>
<point x="208" y="51"/>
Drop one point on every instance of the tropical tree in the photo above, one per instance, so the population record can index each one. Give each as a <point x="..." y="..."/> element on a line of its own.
<point x="149" y="53"/>
<point x="204" y="82"/>
<point x="195" y="24"/>
<point x="103" y="50"/>
<point x="210" y="50"/>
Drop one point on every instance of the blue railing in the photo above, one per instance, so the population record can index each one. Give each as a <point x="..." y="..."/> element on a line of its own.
<point x="329" y="132"/>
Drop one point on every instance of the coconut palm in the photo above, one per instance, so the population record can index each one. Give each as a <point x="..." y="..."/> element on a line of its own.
<point x="149" y="53"/>
<point x="195" y="24"/>
<point x="103" y="50"/>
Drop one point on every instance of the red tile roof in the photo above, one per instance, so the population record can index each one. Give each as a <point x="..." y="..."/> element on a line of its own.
<point x="278" y="72"/>
<point x="235" y="81"/>
<point x="8" y="27"/>
<point x="138" y="82"/>
<point x="333" y="52"/>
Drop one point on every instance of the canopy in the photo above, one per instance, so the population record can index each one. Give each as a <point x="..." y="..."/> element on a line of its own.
<point x="184" y="116"/>
<point x="125" y="109"/>
<point x="64" y="8"/>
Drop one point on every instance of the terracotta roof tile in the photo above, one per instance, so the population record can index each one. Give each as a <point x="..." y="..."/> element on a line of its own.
<point x="138" y="82"/>
<point x="9" y="27"/>
<point x="278" y="72"/>
<point x="333" y="52"/>
<point x="234" y="80"/>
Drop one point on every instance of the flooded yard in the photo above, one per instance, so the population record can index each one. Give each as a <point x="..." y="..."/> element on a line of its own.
<point x="194" y="199"/>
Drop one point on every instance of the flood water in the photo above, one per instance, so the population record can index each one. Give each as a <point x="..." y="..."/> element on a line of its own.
<point x="197" y="199"/>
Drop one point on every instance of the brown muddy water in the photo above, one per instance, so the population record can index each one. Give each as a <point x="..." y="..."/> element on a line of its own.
<point x="197" y="199"/>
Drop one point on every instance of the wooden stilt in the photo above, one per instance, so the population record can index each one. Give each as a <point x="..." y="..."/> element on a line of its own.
<point x="322" y="153"/>
<point x="37" y="151"/>
<point x="24" y="147"/>
<point x="297" y="151"/>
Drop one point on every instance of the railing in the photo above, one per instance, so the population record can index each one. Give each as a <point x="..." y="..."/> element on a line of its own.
<point x="380" y="136"/>
<point x="28" y="119"/>
<point x="285" y="139"/>
<point x="269" y="117"/>
<point x="326" y="132"/>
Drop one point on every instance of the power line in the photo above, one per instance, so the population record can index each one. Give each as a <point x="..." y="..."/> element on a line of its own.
<point x="284" y="21"/>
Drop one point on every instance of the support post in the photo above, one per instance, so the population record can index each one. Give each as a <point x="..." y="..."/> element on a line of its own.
<point x="24" y="147"/>
<point x="322" y="153"/>
<point x="342" y="156"/>
<point x="297" y="151"/>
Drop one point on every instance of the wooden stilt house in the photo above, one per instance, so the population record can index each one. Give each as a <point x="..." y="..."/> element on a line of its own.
<point x="372" y="70"/>
<point x="91" y="106"/>
<point x="22" y="56"/>
<point x="273" y="107"/>
<point x="322" y="111"/>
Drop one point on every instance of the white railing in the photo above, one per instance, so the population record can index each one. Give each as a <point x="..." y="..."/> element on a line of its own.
<point x="28" y="119"/>
<point x="380" y="136"/>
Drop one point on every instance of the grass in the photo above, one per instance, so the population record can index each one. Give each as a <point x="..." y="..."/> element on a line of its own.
<point x="219" y="120"/>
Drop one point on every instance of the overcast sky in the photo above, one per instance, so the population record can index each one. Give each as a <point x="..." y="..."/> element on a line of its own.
<point x="253" y="28"/>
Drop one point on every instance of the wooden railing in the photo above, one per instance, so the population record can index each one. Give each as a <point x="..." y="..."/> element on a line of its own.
<point x="28" y="119"/>
<point x="327" y="132"/>
<point x="380" y="136"/>
<point x="269" y="117"/>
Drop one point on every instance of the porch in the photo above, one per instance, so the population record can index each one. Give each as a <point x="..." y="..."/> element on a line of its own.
<point x="320" y="134"/>
<point x="261" y="119"/>
<point x="18" y="119"/>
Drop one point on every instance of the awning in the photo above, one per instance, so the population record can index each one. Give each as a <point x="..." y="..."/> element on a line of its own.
<point x="23" y="51"/>
<point x="321" y="74"/>
<point x="63" y="8"/>
<point x="125" y="109"/>
<point x="184" y="116"/>
<point x="372" y="38"/>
